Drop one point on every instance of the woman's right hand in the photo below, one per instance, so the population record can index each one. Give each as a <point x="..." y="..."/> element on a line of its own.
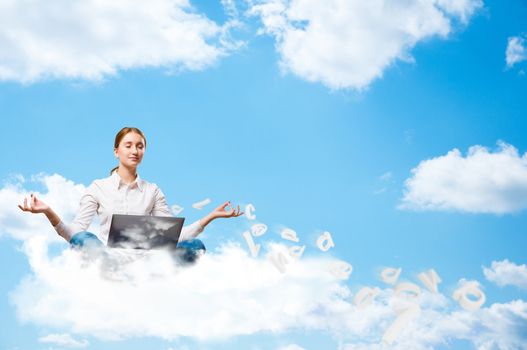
<point x="35" y="205"/>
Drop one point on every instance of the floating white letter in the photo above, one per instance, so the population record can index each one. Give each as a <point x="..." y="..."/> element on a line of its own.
<point x="430" y="279"/>
<point x="290" y="235"/>
<point x="365" y="296"/>
<point x="404" y="317"/>
<point x="297" y="251"/>
<point x="408" y="290"/>
<point x="390" y="275"/>
<point x="176" y="209"/>
<point x="472" y="288"/>
<point x="249" y="208"/>
<point x="341" y="269"/>
<point x="254" y="248"/>
<point x="279" y="260"/>
<point x="200" y="205"/>
<point x="325" y="242"/>
<point x="258" y="229"/>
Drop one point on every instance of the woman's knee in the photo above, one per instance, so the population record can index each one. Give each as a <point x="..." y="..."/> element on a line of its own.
<point x="189" y="251"/>
<point x="85" y="239"/>
<point x="192" y="244"/>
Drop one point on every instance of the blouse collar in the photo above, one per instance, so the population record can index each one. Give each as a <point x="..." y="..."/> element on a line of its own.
<point x="118" y="182"/>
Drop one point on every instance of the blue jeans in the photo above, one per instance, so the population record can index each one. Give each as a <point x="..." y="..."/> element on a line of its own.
<point x="187" y="251"/>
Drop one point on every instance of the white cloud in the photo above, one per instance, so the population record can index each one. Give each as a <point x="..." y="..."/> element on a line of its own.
<point x="114" y="294"/>
<point x="229" y="294"/>
<point x="516" y="51"/>
<point x="150" y="295"/>
<point x="226" y="294"/>
<point x="230" y="8"/>
<point x="64" y="340"/>
<point x="63" y="194"/>
<point x="64" y="39"/>
<point x="500" y="326"/>
<point x="482" y="182"/>
<point x="179" y="347"/>
<point x="291" y="347"/>
<point x="348" y="44"/>
<point x="505" y="273"/>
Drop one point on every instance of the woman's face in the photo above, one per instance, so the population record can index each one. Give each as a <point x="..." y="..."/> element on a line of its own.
<point x="131" y="150"/>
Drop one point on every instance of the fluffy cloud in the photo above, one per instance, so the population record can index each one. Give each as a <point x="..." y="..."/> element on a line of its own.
<point x="93" y="39"/>
<point x="348" y="44"/>
<point x="482" y="182"/>
<point x="149" y="294"/>
<point x="228" y="293"/>
<point x="291" y="347"/>
<point x="516" y="51"/>
<point x="63" y="194"/>
<point x="505" y="273"/>
<point x="499" y="326"/>
<point x="64" y="340"/>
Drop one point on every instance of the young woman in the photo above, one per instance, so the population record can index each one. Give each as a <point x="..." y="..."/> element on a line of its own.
<point x="124" y="192"/>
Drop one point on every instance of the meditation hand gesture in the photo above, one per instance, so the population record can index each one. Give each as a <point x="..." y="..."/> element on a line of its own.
<point x="220" y="211"/>
<point x="35" y="205"/>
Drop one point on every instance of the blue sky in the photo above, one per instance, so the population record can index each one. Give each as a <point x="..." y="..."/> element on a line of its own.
<point x="318" y="138"/>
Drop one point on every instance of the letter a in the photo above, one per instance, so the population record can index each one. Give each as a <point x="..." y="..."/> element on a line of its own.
<point x="325" y="242"/>
<point x="341" y="269"/>
<point x="290" y="235"/>
<point x="408" y="290"/>
<point x="297" y="251"/>
<point x="469" y="288"/>
<point x="390" y="275"/>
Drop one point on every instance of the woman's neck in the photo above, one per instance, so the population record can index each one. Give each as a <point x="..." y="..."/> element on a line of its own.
<point x="128" y="175"/>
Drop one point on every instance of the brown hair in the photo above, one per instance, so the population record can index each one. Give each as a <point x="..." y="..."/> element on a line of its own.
<point x="119" y="137"/>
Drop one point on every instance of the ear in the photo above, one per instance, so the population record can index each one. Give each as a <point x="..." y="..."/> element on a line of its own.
<point x="115" y="153"/>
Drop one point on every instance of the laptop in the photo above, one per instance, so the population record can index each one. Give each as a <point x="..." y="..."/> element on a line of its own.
<point x="144" y="231"/>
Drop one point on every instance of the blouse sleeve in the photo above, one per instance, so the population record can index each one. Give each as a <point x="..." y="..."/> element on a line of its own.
<point x="161" y="209"/>
<point x="87" y="208"/>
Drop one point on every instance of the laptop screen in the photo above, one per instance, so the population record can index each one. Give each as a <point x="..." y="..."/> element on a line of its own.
<point x="144" y="231"/>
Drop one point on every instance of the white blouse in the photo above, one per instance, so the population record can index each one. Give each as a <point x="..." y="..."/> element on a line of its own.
<point x="110" y="196"/>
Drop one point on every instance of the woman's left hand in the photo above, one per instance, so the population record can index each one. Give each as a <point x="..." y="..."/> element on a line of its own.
<point x="222" y="212"/>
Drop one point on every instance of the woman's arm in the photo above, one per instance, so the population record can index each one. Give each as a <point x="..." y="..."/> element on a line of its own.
<point x="53" y="218"/>
<point x="194" y="229"/>
<point x="36" y="206"/>
<point x="220" y="212"/>
<point x="87" y="209"/>
<point x="160" y="208"/>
